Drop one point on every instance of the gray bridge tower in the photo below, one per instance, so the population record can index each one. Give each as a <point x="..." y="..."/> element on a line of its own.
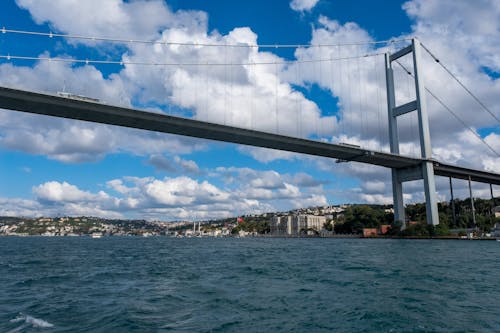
<point x="425" y="170"/>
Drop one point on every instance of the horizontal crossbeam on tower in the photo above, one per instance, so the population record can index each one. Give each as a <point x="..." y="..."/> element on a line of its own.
<point x="401" y="53"/>
<point x="405" y="108"/>
<point x="52" y="105"/>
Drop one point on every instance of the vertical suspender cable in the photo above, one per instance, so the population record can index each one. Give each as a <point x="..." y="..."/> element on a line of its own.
<point x="317" y="76"/>
<point x="231" y="91"/>
<point x="297" y="101"/>
<point x="301" y="106"/>
<point x="359" y="99"/>
<point x="333" y="92"/>
<point x="182" y="93"/>
<point x="341" y="92"/>
<point x="207" y="94"/>
<point x="276" y="98"/>
<point x="195" y="102"/>
<point x="252" y="96"/>
<point x="349" y="108"/>
<point x="367" y="112"/>
<point x="225" y="82"/>
<point x="321" y="87"/>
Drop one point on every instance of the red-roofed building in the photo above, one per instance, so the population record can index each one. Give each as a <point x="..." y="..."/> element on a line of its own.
<point x="369" y="232"/>
<point x="384" y="228"/>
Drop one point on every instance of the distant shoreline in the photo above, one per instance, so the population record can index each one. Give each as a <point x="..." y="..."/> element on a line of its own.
<point x="263" y="236"/>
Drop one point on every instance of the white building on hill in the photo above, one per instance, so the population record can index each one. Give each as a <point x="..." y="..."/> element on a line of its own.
<point x="297" y="225"/>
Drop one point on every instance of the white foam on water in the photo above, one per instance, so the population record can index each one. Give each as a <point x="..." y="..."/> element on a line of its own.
<point x="29" y="321"/>
<point x="18" y="319"/>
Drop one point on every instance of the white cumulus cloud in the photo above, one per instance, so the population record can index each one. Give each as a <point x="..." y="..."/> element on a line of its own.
<point x="463" y="34"/>
<point x="55" y="191"/>
<point x="116" y="18"/>
<point x="303" y="5"/>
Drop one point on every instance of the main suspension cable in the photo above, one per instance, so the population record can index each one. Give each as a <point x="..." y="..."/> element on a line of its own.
<point x="158" y="42"/>
<point x="141" y="63"/>
<point x="447" y="108"/>
<point x="461" y="83"/>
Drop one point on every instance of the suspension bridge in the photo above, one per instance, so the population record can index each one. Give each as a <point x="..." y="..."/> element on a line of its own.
<point x="404" y="168"/>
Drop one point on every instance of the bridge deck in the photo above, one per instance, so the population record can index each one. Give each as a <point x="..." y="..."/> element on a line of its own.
<point x="44" y="104"/>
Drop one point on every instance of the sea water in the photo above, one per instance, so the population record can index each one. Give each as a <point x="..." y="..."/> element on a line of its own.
<point x="133" y="284"/>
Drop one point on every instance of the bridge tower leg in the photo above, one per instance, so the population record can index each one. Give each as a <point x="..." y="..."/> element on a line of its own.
<point x="397" y="185"/>
<point x="426" y="170"/>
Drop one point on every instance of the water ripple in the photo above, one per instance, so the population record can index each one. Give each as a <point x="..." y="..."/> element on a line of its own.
<point x="251" y="285"/>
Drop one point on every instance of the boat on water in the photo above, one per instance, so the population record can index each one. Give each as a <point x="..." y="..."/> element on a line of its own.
<point x="96" y="235"/>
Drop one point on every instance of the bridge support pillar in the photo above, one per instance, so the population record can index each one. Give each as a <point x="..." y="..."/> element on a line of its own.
<point x="397" y="183"/>
<point x="431" y="207"/>
<point x="397" y="195"/>
<point x="426" y="170"/>
<point x="453" y="211"/>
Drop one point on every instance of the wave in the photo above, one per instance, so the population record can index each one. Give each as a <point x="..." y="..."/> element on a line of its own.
<point x="27" y="321"/>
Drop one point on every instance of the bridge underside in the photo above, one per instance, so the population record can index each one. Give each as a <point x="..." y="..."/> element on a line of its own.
<point x="44" y="104"/>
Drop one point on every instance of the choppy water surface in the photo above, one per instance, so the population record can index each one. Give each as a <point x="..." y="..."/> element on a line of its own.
<point x="119" y="284"/>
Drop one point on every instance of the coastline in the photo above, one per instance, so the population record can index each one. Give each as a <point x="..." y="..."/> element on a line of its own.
<point x="340" y="236"/>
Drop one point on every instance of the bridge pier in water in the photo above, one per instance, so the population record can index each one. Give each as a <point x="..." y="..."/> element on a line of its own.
<point x="425" y="170"/>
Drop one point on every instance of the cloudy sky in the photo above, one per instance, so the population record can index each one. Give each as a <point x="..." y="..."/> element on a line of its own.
<point x="201" y="62"/>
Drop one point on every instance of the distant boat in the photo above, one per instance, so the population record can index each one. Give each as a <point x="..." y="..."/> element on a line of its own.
<point x="77" y="97"/>
<point x="96" y="235"/>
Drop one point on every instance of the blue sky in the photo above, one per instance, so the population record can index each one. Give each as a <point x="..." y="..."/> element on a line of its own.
<point x="61" y="167"/>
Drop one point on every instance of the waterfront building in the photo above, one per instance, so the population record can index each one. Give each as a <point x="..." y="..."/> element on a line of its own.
<point x="274" y="225"/>
<point x="372" y="232"/>
<point x="281" y="225"/>
<point x="496" y="211"/>
<point x="297" y="224"/>
<point x="384" y="228"/>
<point x="308" y="224"/>
<point x="495" y="231"/>
<point x="369" y="232"/>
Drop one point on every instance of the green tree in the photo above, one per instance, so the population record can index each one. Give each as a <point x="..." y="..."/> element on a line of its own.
<point x="358" y="217"/>
<point x="328" y="225"/>
<point x="420" y="229"/>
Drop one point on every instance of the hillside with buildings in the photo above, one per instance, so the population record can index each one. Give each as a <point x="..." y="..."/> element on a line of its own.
<point x="322" y="221"/>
